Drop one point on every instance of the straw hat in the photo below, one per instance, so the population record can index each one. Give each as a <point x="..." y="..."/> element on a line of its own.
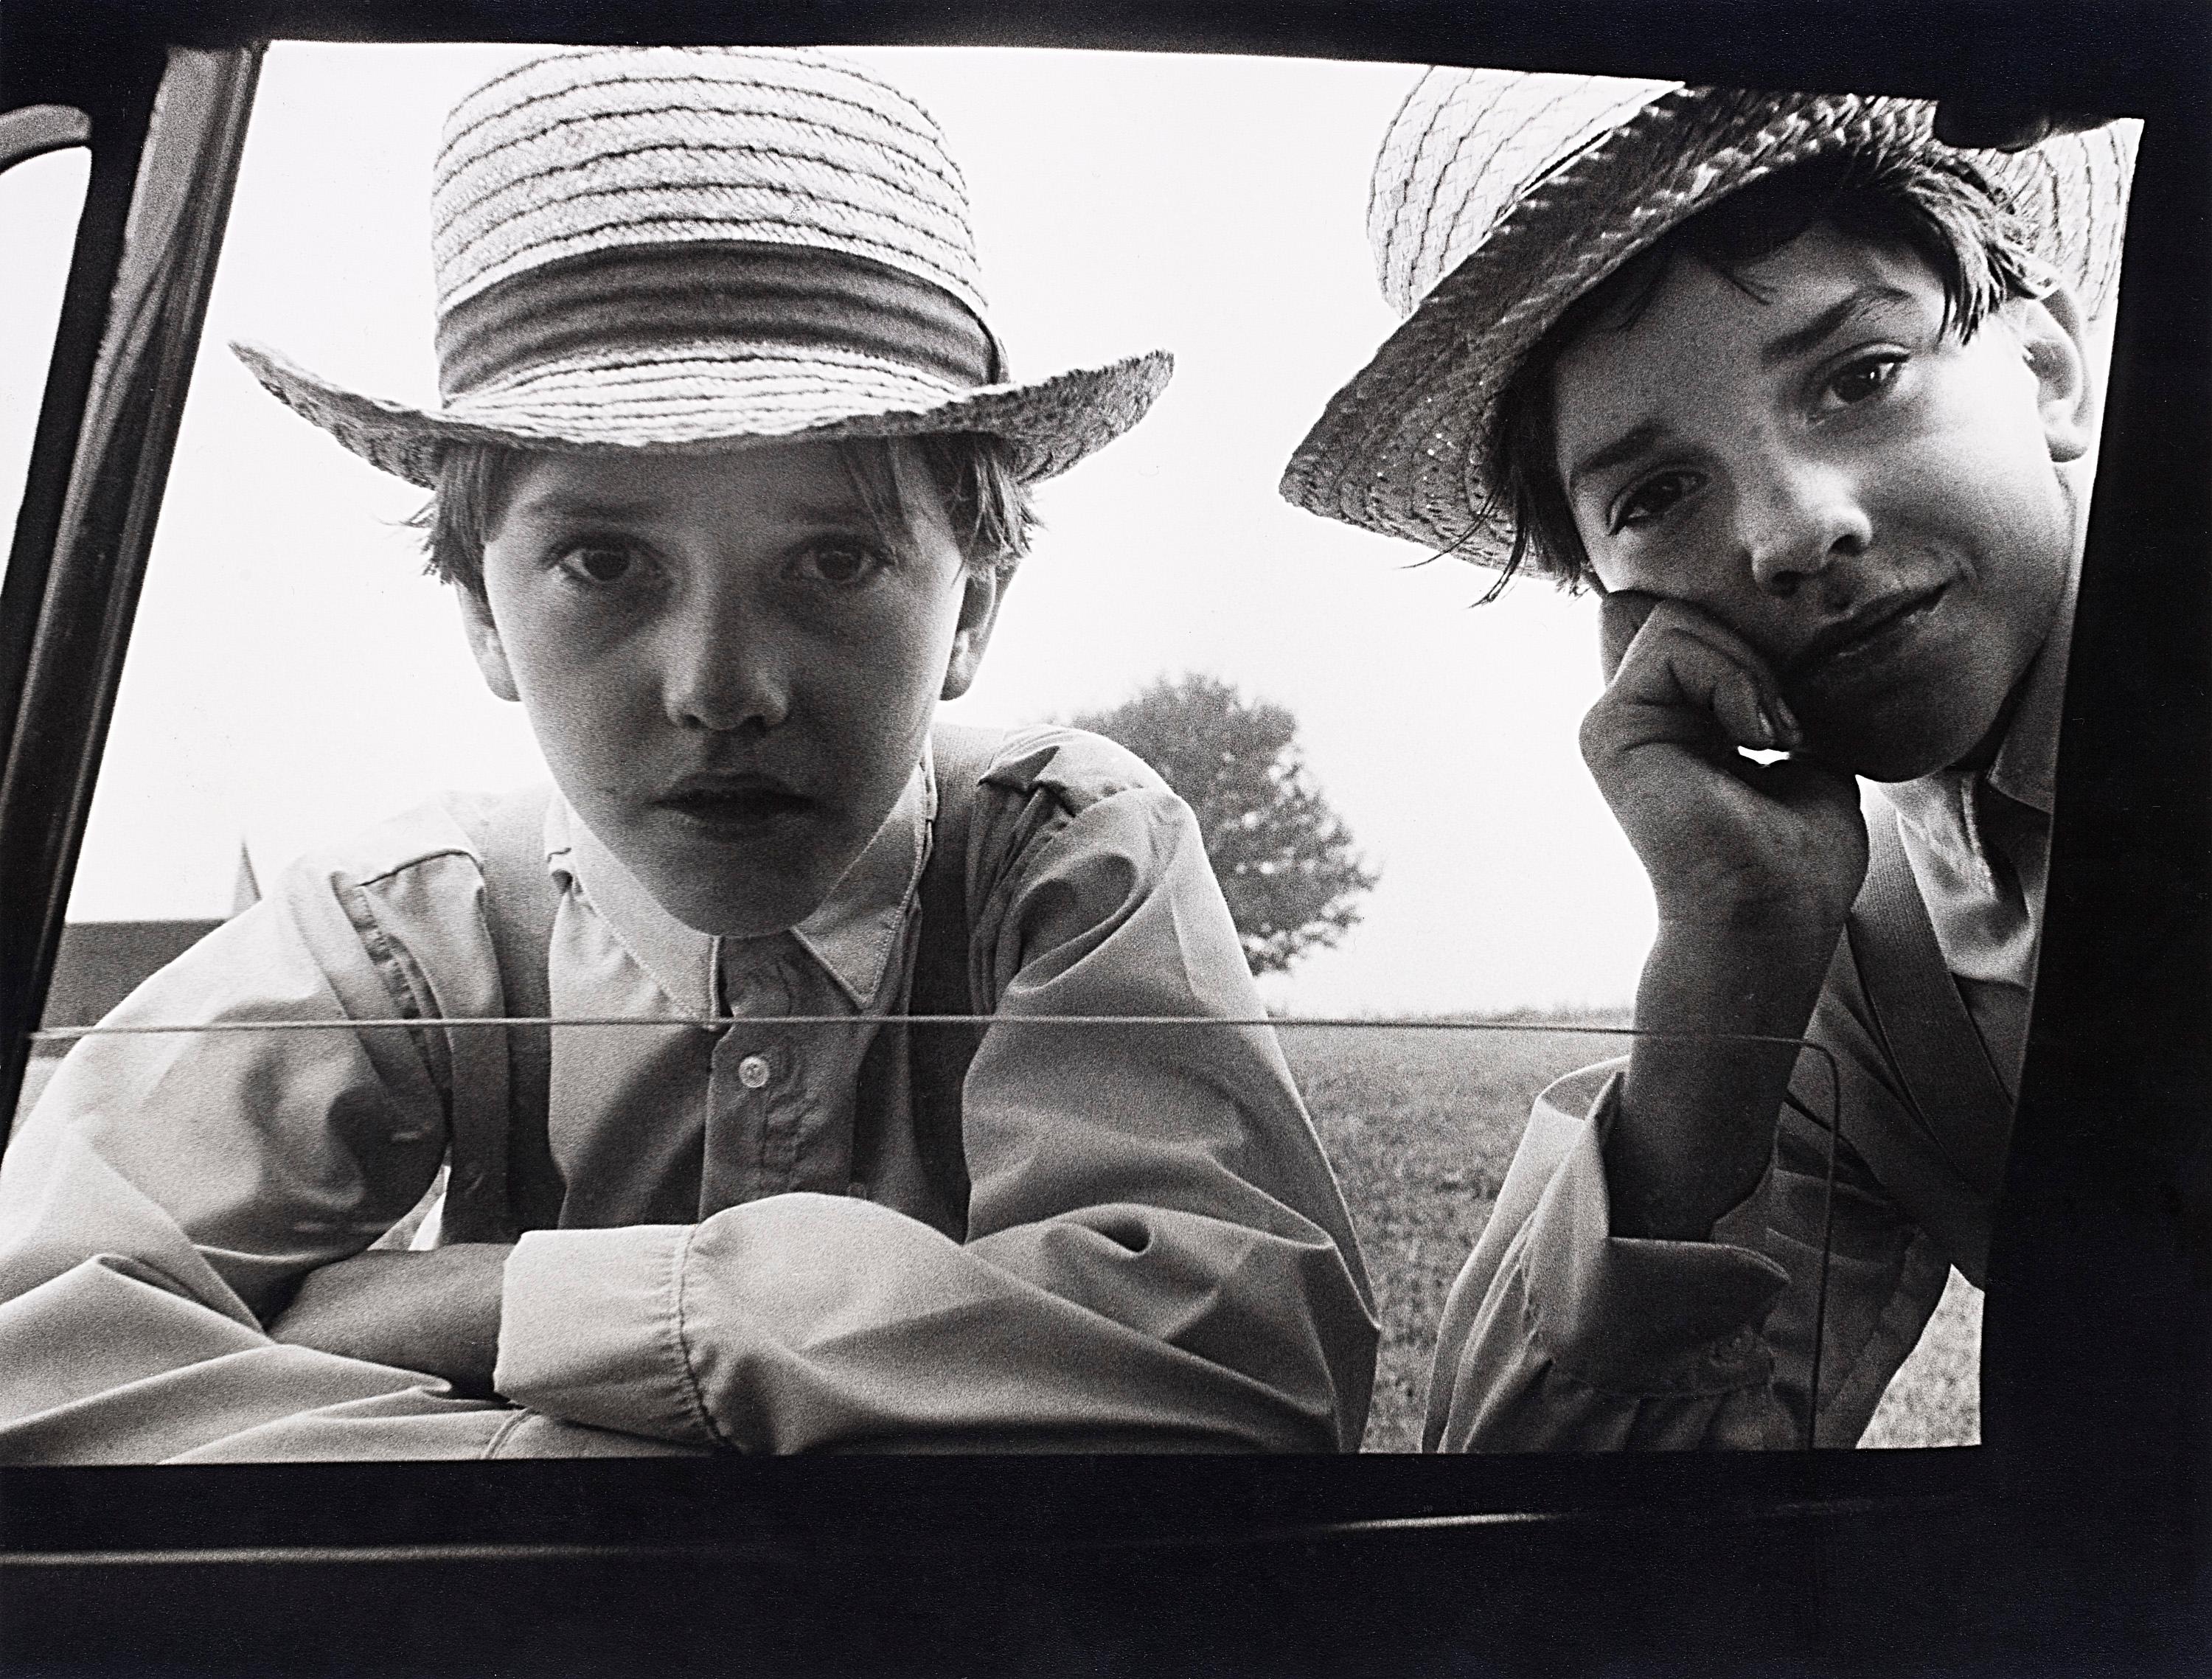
<point x="1500" y="196"/>
<point x="687" y="251"/>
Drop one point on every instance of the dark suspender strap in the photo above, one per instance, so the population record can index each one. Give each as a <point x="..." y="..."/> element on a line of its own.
<point x="1940" y="1056"/>
<point x="504" y="1181"/>
<point x="938" y="1056"/>
<point x="502" y="1184"/>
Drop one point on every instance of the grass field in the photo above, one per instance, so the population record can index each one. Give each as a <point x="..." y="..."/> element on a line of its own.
<point x="1421" y="1124"/>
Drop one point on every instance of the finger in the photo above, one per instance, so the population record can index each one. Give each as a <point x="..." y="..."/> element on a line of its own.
<point x="1681" y="699"/>
<point x="1619" y="616"/>
<point x="1667" y="616"/>
<point x="1682" y="661"/>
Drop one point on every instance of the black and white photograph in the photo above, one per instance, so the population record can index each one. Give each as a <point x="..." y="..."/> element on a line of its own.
<point x="1362" y="841"/>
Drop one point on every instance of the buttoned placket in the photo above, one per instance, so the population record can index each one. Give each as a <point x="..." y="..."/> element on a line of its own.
<point x="756" y="1097"/>
<point x="781" y="1100"/>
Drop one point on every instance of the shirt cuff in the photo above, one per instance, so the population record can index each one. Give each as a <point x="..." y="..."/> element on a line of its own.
<point x="1635" y="1315"/>
<point x="590" y="1331"/>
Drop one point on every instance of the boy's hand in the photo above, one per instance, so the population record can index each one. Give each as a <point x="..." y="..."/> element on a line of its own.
<point x="437" y="1311"/>
<point x="1754" y="866"/>
<point x="1725" y="841"/>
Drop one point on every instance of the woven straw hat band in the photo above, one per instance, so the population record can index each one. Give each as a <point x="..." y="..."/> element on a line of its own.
<point x="658" y="298"/>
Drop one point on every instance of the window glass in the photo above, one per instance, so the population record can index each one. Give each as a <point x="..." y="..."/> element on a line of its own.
<point x="1470" y="957"/>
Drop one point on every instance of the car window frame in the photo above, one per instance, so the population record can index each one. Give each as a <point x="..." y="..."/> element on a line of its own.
<point x="2087" y="1390"/>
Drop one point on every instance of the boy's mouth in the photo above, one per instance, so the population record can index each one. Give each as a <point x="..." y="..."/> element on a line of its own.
<point x="732" y="807"/>
<point x="1866" y="637"/>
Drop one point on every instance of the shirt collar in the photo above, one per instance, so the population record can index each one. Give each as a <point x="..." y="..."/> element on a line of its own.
<point x="856" y="929"/>
<point x="852" y="934"/>
<point x="2026" y="764"/>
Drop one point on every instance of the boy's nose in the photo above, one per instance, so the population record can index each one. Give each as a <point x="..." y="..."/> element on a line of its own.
<point x="724" y="677"/>
<point x="1795" y="522"/>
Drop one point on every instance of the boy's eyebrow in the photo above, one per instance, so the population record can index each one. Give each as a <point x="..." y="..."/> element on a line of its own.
<point x="582" y="504"/>
<point x="1874" y="298"/>
<point x="1638" y="440"/>
<point x="571" y="504"/>
<point x="1867" y="299"/>
<point x="830" y="516"/>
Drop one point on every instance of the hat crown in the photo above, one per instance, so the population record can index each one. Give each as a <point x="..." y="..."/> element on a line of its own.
<point x="699" y="250"/>
<point x="622" y="147"/>
<point x="1468" y="147"/>
<point x="1464" y="148"/>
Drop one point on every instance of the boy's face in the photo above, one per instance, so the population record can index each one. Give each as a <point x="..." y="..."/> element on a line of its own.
<point x="729" y="669"/>
<point x="1873" y="505"/>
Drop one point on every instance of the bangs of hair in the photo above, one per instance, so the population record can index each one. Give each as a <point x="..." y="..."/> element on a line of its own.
<point x="1942" y="210"/>
<point x="456" y="521"/>
<point x="971" y="473"/>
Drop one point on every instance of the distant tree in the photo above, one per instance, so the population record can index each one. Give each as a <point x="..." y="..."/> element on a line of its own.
<point x="1285" y="859"/>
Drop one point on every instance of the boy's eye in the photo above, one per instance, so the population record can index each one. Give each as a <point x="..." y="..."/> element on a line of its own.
<point x="841" y="563"/>
<point x="1653" y="497"/>
<point x="1864" y="378"/>
<point x="599" y="562"/>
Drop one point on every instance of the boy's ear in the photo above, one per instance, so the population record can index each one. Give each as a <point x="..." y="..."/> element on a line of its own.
<point x="2054" y="334"/>
<point x="484" y="642"/>
<point x="979" y="611"/>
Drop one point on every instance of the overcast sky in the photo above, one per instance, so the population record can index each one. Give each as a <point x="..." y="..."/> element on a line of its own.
<point x="294" y="676"/>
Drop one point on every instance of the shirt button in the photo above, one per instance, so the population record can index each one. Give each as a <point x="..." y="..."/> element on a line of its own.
<point x="752" y="1071"/>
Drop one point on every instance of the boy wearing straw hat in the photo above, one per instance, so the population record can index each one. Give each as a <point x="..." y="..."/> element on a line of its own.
<point x="729" y="478"/>
<point x="1809" y="400"/>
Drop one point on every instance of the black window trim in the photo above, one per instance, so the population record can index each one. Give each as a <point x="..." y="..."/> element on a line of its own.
<point x="2098" y="1408"/>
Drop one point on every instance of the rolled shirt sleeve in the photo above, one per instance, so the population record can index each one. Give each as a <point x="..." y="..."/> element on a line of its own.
<point x="1157" y="1255"/>
<point x="169" y="1188"/>
<point x="1558" y="1335"/>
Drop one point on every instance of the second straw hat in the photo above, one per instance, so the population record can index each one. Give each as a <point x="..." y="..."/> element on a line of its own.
<point x="1500" y="196"/>
<point x="689" y="250"/>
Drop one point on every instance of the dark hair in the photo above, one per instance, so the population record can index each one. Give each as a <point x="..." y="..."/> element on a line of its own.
<point x="988" y="506"/>
<point x="1943" y="211"/>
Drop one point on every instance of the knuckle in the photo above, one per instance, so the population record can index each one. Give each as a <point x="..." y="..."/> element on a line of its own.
<point x="1597" y="734"/>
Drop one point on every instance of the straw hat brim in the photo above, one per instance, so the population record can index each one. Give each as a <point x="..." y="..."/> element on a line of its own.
<point x="1399" y="449"/>
<point x="712" y="399"/>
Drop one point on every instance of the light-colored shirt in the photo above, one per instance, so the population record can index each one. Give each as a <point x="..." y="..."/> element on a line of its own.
<point x="1979" y="845"/>
<point x="1558" y="1335"/>
<point x="1156" y="1255"/>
